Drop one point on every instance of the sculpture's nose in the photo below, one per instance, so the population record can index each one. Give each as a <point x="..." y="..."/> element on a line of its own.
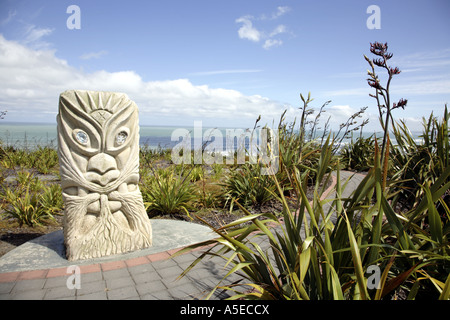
<point x="101" y="163"/>
<point x="102" y="169"/>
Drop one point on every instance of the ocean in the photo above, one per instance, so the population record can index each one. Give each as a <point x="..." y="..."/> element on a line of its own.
<point x="29" y="136"/>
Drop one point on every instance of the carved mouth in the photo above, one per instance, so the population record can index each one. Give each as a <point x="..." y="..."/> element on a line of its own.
<point x="94" y="207"/>
<point x="113" y="205"/>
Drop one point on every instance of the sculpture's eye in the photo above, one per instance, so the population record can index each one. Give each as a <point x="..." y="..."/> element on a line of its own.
<point x="121" y="137"/>
<point x="82" y="137"/>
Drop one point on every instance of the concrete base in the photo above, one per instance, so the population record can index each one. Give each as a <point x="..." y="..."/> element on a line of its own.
<point x="47" y="252"/>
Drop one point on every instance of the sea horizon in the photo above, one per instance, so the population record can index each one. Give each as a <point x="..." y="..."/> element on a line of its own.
<point x="31" y="135"/>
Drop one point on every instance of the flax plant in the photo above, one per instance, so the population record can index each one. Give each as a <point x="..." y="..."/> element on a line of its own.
<point x="324" y="248"/>
<point x="382" y="93"/>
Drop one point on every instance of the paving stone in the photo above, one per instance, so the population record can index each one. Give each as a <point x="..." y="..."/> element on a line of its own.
<point x="56" y="282"/>
<point x="88" y="288"/>
<point x="28" y="285"/>
<point x="150" y="287"/>
<point x="147" y="296"/>
<point x="90" y="277"/>
<point x="170" y="271"/>
<point x="59" y="292"/>
<point x="6" y="287"/>
<point x="5" y="296"/>
<point x="162" y="264"/>
<point x="115" y="274"/>
<point x="122" y="293"/>
<point x="145" y="268"/>
<point x="185" y="291"/>
<point x="187" y="257"/>
<point x="29" y="295"/>
<point x="112" y="284"/>
<point x="100" y="295"/>
<point x="145" y="277"/>
<point x="162" y="295"/>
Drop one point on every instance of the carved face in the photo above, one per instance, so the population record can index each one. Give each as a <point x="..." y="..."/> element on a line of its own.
<point x="98" y="139"/>
<point x="99" y="132"/>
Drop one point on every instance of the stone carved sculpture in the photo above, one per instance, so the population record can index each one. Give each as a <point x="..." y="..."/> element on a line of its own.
<point x="98" y="148"/>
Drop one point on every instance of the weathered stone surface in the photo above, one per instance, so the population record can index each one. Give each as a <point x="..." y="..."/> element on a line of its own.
<point x="98" y="147"/>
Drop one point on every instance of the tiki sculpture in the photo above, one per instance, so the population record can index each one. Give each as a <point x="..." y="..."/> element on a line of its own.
<point x="98" y="148"/>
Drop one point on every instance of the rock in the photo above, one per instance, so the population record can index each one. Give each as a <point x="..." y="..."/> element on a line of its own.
<point x="98" y="148"/>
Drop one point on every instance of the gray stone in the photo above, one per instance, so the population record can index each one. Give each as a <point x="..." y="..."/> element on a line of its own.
<point x="98" y="149"/>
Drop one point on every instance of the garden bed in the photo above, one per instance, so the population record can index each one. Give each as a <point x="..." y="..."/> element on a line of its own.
<point x="13" y="235"/>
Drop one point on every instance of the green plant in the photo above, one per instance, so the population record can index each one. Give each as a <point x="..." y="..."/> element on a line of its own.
<point x="311" y="256"/>
<point x="167" y="194"/>
<point x="51" y="199"/>
<point x="196" y="173"/>
<point x="217" y="170"/>
<point x="301" y="147"/>
<point x="44" y="159"/>
<point x="324" y="247"/>
<point x="248" y="186"/>
<point x="209" y="194"/>
<point x="415" y="163"/>
<point x="26" y="179"/>
<point x="382" y="94"/>
<point x="358" y="154"/>
<point x="30" y="207"/>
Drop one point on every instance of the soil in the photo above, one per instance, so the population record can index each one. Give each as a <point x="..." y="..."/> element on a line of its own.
<point x="12" y="235"/>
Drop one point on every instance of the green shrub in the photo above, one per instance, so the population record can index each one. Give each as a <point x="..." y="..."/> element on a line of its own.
<point x="196" y="173"/>
<point x="167" y="193"/>
<point x="415" y="163"/>
<point x="312" y="257"/>
<point x="45" y="159"/>
<point x="30" y="201"/>
<point x="209" y="194"/>
<point x="248" y="186"/>
<point x="358" y="154"/>
<point x="51" y="199"/>
<point x="25" y="208"/>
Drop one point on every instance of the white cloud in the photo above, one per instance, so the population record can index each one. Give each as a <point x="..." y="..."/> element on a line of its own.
<point x="438" y="85"/>
<point x="422" y="61"/>
<point x="272" y="43"/>
<point x="279" y="29"/>
<point x="11" y="15"/>
<point x="280" y="11"/>
<point x="93" y="55"/>
<point x="31" y="81"/>
<point x="247" y="31"/>
<point x="33" y="37"/>
<point x="226" y="71"/>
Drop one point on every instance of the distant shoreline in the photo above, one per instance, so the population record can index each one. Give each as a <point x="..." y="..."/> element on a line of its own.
<point x="24" y="135"/>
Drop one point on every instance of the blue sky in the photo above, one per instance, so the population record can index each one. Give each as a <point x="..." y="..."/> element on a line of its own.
<point x="222" y="62"/>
